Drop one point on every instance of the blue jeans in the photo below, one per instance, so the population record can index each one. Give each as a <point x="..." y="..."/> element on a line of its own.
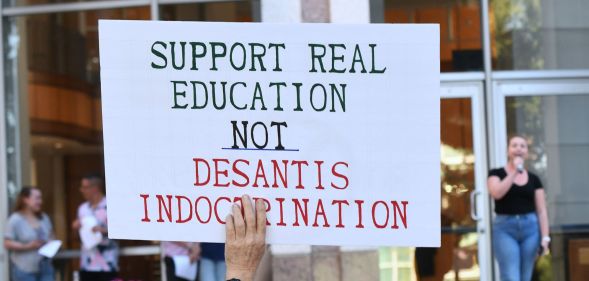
<point x="46" y="273"/>
<point x="211" y="270"/>
<point x="516" y="241"/>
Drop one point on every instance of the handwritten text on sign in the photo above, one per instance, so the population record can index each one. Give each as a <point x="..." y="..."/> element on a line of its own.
<point x="334" y="127"/>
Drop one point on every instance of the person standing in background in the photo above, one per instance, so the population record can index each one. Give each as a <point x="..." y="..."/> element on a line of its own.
<point x="27" y="230"/>
<point x="99" y="263"/>
<point x="521" y="226"/>
<point x="171" y="249"/>
<point x="212" y="262"/>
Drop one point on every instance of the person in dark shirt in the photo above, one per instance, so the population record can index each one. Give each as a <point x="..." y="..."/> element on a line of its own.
<point x="212" y="262"/>
<point x="521" y="221"/>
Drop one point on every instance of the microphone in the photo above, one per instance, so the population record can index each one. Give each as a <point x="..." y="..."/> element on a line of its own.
<point x="520" y="168"/>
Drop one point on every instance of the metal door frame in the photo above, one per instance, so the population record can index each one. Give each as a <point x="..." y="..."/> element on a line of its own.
<point x="471" y="86"/>
<point x="514" y="85"/>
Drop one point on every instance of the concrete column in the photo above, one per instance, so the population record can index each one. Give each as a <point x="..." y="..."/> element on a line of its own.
<point x="315" y="11"/>
<point x="326" y="263"/>
<point x="282" y="11"/>
<point x="555" y="191"/>
<point x="563" y="35"/>
<point x="360" y="264"/>
<point x="291" y="262"/>
<point x="350" y="11"/>
<point x="288" y="262"/>
<point x="377" y="11"/>
<point x="335" y="11"/>
<point x="320" y="263"/>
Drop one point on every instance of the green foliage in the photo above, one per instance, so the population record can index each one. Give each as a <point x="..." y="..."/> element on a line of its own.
<point x="518" y="34"/>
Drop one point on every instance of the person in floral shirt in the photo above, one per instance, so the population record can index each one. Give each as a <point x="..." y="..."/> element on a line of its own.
<point x="101" y="261"/>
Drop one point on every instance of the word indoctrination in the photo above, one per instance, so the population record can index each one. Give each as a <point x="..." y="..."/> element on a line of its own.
<point x="335" y="128"/>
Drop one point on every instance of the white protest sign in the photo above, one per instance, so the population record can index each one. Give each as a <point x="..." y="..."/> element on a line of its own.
<point x="335" y="127"/>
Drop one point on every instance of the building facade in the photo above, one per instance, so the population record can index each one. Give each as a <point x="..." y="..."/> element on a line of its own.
<point x="508" y="67"/>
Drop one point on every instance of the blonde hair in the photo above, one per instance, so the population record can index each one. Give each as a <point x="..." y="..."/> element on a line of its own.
<point x="513" y="136"/>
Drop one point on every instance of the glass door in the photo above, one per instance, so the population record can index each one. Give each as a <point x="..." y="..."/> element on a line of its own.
<point x="464" y="253"/>
<point x="553" y="114"/>
<point x="52" y="105"/>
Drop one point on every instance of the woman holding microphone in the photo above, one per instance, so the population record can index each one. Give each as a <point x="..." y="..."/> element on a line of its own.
<point x="521" y="222"/>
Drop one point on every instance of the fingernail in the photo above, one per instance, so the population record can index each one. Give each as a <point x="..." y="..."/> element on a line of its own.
<point x="246" y="197"/>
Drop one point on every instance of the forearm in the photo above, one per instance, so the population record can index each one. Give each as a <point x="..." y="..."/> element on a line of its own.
<point x="544" y="226"/>
<point x="500" y="188"/>
<point x="540" y="199"/>
<point x="194" y="251"/>
<point x="13" y="245"/>
<point x="181" y="244"/>
<point x="242" y="275"/>
<point x="195" y="248"/>
<point x="104" y="230"/>
<point x="188" y="245"/>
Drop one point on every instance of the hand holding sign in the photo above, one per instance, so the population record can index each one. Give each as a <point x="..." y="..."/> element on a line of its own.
<point x="246" y="239"/>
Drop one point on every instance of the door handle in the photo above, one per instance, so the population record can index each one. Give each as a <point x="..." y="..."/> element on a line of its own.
<point x="473" y="206"/>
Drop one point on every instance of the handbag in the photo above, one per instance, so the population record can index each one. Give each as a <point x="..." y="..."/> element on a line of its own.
<point x="543" y="268"/>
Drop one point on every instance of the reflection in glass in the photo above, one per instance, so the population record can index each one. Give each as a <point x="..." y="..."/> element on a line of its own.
<point x="539" y="34"/>
<point x="386" y="274"/>
<point x="12" y="109"/>
<point x="222" y="11"/>
<point x="460" y="28"/>
<point x="558" y="131"/>
<point x="456" y="259"/>
<point x="53" y="64"/>
<point x="59" y="76"/>
<point x="11" y="3"/>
